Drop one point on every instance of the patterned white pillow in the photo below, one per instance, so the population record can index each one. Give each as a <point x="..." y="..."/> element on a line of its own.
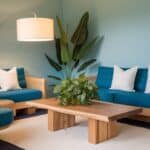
<point x="123" y="79"/>
<point x="9" y="80"/>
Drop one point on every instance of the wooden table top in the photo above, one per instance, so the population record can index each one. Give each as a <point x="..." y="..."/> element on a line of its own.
<point x="98" y="110"/>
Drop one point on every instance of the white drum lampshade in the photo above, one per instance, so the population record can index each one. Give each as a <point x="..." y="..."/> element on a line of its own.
<point x="35" y="29"/>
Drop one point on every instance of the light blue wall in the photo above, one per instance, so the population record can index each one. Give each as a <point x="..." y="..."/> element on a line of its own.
<point x="25" y="54"/>
<point x="125" y="25"/>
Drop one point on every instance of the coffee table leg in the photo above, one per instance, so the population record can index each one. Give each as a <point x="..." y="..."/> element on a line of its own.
<point x="57" y="121"/>
<point x="99" y="131"/>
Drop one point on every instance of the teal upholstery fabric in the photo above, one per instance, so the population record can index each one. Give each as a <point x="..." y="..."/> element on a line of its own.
<point x="141" y="79"/>
<point x="104" y="77"/>
<point x="132" y="98"/>
<point x="6" y="116"/>
<point x="21" y="95"/>
<point x="105" y="95"/>
<point x="122" y="97"/>
<point x="21" y="77"/>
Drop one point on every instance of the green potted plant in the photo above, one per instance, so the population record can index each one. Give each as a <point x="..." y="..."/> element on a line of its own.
<point x="70" y="51"/>
<point x="77" y="91"/>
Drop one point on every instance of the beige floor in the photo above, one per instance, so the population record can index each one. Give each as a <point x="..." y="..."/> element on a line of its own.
<point x="32" y="134"/>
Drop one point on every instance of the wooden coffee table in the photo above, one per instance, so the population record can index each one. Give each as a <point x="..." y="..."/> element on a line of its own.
<point x="102" y="117"/>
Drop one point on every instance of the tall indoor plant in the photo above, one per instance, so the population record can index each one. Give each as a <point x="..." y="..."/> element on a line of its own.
<point x="73" y="90"/>
<point x="70" y="51"/>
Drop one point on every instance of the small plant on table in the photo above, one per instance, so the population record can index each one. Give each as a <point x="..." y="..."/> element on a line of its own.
<point x="78" y="91"/>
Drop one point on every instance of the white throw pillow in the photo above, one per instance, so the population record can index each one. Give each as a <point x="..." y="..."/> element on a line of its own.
<point x="147" y="90"/>
<point x="123" y="79"/>
<point x="9" y="80"/>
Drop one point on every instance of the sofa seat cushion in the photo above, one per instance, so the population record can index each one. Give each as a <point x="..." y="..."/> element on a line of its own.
<point x="21" y="95"/>
<point x="105" y="95"/>
<point x="139" y="99"/>
<point x="6" y="116"/>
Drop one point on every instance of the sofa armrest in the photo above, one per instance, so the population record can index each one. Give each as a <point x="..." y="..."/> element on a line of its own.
<point x="37" y="83"/>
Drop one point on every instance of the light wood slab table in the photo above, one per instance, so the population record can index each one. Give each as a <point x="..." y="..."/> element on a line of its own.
<point x="102" y="117"/>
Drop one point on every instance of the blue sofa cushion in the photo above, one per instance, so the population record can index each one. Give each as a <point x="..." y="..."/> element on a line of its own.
<point x="21" y="95"/>
<point x="132" y="98"/>
<point x="141" y="79"/>
<point x="104" y="77"/>
<point x="105" y="95"/>
<point x="21" y="77"/>
<point x="139" y="99"/>
<point x="6" y="116"/>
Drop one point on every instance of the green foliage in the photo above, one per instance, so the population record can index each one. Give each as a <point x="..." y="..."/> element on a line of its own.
<point x="58" y="50"/>
<point x="64" y="38"/>
<point x="86" y="64"/>
<point x="76" y="91"/>
<point x="85" y="49"/>
<point x="80" y="35"/>
<point x="65" y="53"/>
<point x="54" y="77"/>
<point x="53" y="63"/>
<point x="69" y="52"/>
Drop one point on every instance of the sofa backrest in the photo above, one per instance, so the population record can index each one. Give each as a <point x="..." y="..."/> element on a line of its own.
<point x="21" y="77"/>
<point x="105" y="75"/>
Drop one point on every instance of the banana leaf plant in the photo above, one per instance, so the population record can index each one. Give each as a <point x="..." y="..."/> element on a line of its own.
<point x="71" y="51"/>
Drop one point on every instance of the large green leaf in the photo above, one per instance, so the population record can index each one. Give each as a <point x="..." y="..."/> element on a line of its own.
<point x="52" y="85"/>
<point x="76" y="64"/>
<point x="76" y="51"/>
<point x="86" y="64"/>
<point x="54" y="77"/>
<point x="81" y="33"/>
<point x="86" y="49"/>
<point x="63" y="34"/>
<point x="58" y="50"/>
<point x="65" y="53"/>
<point x="53" y="63"/>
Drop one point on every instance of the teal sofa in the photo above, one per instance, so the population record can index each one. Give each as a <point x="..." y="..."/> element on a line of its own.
<point x="32" y="88"/>
<point x="23" y="94"/>
<point x="137" y="98"/>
